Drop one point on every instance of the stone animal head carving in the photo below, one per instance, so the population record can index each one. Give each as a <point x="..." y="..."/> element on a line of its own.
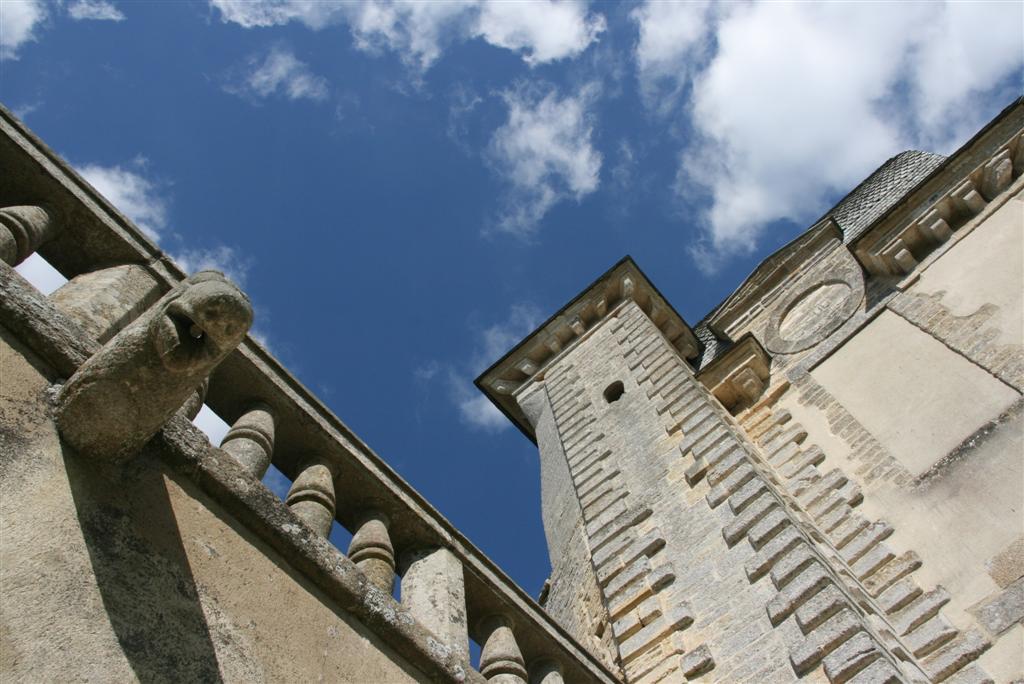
<point x="123" y="394"/>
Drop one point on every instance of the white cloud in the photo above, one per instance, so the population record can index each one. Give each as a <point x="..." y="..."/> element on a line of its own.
<point x="795" y="103"/>
<point x="543" y="31"/>
<point x="19" y="20"/>
<point x="673" y="38"/>
<point x="221" y="258"/>
<point x="489" y="344"/>
<point x="478" y="412"/>
<point x="99" y="10"/>
<point x="418" y="32"/>
<point x="544" y="152"/>
<point x="131" y="193"/>
<point x="40" y="274"/>
<point x="281" y="72"/>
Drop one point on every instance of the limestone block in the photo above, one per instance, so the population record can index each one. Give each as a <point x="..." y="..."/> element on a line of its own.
<point x="920" y="609"/>
<point x="121" y="396"/>
<point x="105" y="301"/>
<point x="955" y="655"/>
<point x="434" y="591"/>
<point x="819" y="608"/>
<point x="879" y="672"/>
<point x="697" y="662"/>
<point x="997" y="175"/>
<point x="1002" y="611"/>
<point x="850" y="658"/>
<point x="769" y="555"/>
<point x="891" y="572"/>
<point x="807" y="584"/>
<point x="929" y="636"/>
<point x="966" y="199"/>
<point x="823" y="640"/>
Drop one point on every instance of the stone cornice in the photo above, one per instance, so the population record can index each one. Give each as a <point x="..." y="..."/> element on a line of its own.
<point x="947" y="198"/>
<point x="738" y="377"/>
<point x="529" y="359"/>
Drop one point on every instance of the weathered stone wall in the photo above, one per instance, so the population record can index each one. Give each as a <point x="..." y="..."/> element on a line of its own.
<point x="121" y="574"/>
<point x="919" y="411"/>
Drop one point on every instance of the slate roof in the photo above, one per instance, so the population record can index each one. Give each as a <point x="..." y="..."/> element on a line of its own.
<point x="881" y="190"/>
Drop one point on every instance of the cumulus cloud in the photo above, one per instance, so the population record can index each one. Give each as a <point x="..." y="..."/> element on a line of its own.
<point x="132" y="193"/>
<point x="492" y="342"/>
<point x="673" y="40"/>
<point x="19" y="20"/>
<point x="794" y="103"/>
<point x="544" y="153"/>
<point x="541" y="31"/>
<point x="489" y="344"/>
<point x="222" y="258"/>
<point x="97" y="10"/>
<point x="280" y="72"/>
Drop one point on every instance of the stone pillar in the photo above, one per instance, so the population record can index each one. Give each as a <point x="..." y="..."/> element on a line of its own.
<point x="372" y="552"/>
<point x="434" y="591"/>
<point x="194" y="404"/>
<point x="312" y="496"/>
<point x="22" y="230"/>
<point x="250" y="441"/>
<point x="501" y="661"/>
<point x="105" y="301"/>
<point x="546" y="671"/>
<point x="124" y="393"/>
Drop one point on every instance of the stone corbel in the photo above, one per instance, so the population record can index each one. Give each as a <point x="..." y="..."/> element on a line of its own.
<point x="740" y="376"/>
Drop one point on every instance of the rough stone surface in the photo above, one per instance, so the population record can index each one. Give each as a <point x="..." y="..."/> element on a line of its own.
<point x="118" y="399"/>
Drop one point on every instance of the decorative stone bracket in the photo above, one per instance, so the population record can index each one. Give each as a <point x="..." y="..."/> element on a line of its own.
<point x="739" y="377"/>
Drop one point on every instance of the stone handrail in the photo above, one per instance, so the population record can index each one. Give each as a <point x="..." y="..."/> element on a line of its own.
<point x="392" y="523"/>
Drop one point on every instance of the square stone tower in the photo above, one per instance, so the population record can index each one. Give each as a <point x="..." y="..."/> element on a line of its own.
<point x="637" y="458"/>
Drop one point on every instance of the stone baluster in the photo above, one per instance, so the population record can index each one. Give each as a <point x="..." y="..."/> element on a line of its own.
<point x="501" y="661"/>
<point x="125" y="392"/>
<point x="434" y="592"/>
<point x="250" y="441"/>
<point x="372" y="552"/>
<point x="194" y="404"/>
<point x="103" y="302"/>
<point x="546" y="671"/>
<point x="22" y="230"/>
<point x="312" y="496"/>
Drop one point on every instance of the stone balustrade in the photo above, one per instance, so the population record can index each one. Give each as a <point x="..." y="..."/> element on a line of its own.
<point x="141" y="349"/>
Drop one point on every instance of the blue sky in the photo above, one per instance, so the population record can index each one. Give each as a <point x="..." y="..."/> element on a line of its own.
<point x="405" y="190"/>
